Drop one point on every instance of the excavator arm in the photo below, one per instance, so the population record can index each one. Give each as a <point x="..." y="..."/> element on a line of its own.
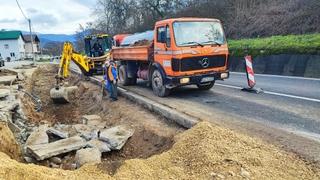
<point x="59" y="93"/>
<point x="68" y="55"/>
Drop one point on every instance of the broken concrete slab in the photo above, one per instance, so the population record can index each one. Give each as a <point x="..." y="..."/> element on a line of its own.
<point x="86" y="132"/>
<point x="116" y="137"/>
<point x="13" y="127"/>
<point x="58" y="147"/>
<point x="7" y="80"/>
<point x="29" y="159"/>
<point x="39" y="136"/>
<point x="91" y="119"/>
<point x="4" y="93"/>
<point x="12" y="105"/>
<point x="56" y="160"/>
<point x="60" y="134"/>
<point x="88" y="155"/>
<point x="102" y="146"/>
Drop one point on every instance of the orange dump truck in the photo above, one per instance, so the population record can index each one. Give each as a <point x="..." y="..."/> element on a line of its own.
<point x="182" y="51"/>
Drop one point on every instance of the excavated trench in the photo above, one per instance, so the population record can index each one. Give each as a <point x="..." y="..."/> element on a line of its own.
<point x="152" y="134"/>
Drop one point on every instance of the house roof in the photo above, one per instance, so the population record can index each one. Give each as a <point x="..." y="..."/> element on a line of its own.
<point x="5" y="35"/>
<point x="27" y="38"/>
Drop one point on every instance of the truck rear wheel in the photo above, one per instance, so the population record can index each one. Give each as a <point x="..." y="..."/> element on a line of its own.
<point x="123" y="76"/>
<point x="158" y="86"/>
<point x="207" y="86"/>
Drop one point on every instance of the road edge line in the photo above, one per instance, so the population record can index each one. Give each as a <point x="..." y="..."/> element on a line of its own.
<point x="275" y="93"/>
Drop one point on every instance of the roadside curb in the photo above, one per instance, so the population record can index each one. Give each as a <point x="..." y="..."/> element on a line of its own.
<point x="182" y="119"/>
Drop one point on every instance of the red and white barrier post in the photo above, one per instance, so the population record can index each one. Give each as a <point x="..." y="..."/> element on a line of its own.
<point x="250" y="76"/>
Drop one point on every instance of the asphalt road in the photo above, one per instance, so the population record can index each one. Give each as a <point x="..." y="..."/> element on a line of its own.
<point x="288" y="85"/>
<point x="287" y="114"/>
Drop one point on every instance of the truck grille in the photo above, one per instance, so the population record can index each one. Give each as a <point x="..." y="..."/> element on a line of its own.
<point x="198" y="63"/>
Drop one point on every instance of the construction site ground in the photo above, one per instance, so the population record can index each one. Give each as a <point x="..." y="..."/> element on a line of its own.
<point x="158" y="149"/>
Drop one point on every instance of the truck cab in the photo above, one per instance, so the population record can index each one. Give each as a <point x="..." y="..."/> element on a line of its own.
<point x="183" y="51"/>
<point x="191" y="51"/>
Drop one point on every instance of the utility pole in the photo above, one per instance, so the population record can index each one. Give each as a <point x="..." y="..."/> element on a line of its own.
<point x="31" y="38"/>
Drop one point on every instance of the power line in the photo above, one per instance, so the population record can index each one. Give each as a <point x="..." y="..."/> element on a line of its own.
<point x="29" y="22"/>
<point x="24" y="15"/>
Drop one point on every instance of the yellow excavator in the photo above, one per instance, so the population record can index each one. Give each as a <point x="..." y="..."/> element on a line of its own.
<point x="87" y="64"/>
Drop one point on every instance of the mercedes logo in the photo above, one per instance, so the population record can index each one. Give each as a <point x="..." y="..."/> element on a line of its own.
<point x="204" y="62"/>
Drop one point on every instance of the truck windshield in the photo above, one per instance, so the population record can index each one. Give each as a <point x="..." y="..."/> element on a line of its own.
<point x="198" y="33"/>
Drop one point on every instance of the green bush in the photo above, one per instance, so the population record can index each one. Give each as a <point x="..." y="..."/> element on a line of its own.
<point x="291" y="44"/>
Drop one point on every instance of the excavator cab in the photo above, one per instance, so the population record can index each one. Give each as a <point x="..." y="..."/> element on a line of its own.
<point x="97" y="45"/>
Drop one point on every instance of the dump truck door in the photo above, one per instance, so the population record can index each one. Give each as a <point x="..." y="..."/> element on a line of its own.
<point x="163" y="47"/>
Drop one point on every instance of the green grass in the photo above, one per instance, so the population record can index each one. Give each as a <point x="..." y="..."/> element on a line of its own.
<point x="291" y="44"/>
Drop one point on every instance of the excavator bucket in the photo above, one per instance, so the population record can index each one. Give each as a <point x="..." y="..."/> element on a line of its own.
<point x="61" y="95"/>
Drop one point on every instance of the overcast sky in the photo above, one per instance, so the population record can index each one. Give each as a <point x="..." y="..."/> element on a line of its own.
<point x="47" y="16"/>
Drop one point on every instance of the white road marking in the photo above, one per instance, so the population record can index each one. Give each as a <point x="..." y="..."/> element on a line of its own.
<point x="275" y="93"/>
<point x="279" y="76"/>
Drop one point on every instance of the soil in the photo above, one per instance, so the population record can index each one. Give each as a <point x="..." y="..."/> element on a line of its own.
<point x="8" y="144"/>
<point x="153" y="135"/>
<point x="203" y="152"/>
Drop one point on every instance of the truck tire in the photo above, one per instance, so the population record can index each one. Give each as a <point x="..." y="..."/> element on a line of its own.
<point x="207" y="86"/>
<point x="123" y="77"/>
<point x="158" y="86"/>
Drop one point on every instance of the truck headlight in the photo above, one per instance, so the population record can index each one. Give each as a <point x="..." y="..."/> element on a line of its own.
<point x="224" y="75"/>
<point x="184" y="80"/>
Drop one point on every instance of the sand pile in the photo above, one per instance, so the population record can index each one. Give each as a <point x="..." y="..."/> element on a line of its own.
<point x="8" y="143"/>
<point x="203" y="152"/>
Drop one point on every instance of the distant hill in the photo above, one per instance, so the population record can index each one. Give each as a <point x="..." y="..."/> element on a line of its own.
<point x="57" y="37"/>
<point x="45" y="38"/>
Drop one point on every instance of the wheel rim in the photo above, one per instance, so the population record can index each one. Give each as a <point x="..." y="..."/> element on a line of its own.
<point x="121" y="75"/>
<point x="157" y="80"/>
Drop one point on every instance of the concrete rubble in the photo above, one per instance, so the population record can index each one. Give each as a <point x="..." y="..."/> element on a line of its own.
<point x="88" y="155"/>
<point x="40" y="142"/>
<point x="116" y="137"/>
<point x="38" y="136"/>
<point x="91" y="119"/>
<point x="56" y="160"/>
<point x="55" y="148"/>
<point x="4" y="93"/>
<point x="7" y="80"/>
<point x="102" y="146"/>
<point x="60" y="134"/>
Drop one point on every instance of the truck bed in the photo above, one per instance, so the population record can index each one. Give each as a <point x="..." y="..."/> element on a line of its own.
<point x="134" y="53"/>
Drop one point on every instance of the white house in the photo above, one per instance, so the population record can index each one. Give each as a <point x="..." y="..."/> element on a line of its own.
<point x="36" y="44"/>
<point x="12" y="45"/>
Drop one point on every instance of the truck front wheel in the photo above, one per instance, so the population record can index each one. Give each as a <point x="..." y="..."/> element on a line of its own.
<point x="158" y="86"/>
<point x="207" y="86"/>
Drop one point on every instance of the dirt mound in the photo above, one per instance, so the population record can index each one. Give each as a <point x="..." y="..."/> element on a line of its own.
<point x="204" y="152"/>
<point x="8" y="143"/>
<point x="152" y="135"/>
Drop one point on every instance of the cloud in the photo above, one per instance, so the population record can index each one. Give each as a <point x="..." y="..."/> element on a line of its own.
<point x="7" y="20"/>
<point x="44" y="19"/>
<point x="58" y="16"/>
<point x="87" y="3"/>
<point x="31" y="11"/>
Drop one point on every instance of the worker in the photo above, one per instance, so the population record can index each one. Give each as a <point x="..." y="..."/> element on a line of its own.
<point x="111" y="79"/>
<point x="97" y="49"/>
